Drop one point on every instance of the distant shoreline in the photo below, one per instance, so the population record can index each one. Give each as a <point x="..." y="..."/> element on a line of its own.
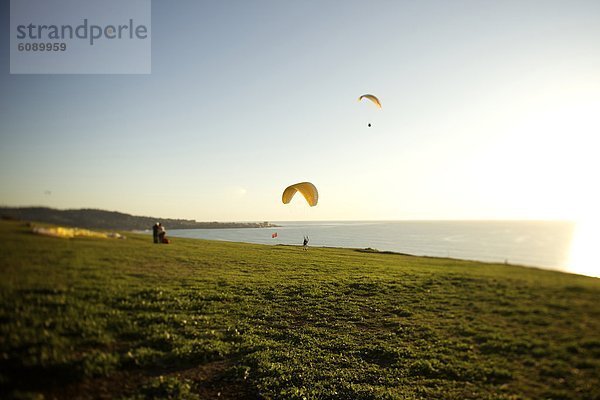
<point x="102" y="219"/>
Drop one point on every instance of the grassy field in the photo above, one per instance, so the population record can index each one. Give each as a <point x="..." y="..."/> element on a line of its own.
<point x="127" y="319"/>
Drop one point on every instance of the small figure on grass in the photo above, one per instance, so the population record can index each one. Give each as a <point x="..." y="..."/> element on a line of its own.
<point x="155" y="229"/>
<point x="161" y="234"/>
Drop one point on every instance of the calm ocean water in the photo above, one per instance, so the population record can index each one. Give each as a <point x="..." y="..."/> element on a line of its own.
<point x="545" y="244"/>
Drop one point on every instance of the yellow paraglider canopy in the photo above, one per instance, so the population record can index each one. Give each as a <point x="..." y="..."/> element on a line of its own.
<point x="308" y="190"/>
<point x="374" y="99"/>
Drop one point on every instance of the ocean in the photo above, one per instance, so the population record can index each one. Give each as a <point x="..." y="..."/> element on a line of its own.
<point x="543" y="244"/>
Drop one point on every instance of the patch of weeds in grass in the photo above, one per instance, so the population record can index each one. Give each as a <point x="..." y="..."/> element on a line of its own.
<point x="202" y="351"/>
<point x="168" y="387"/>
<point x="97" y="363"/>
<point x="145" y="357"/>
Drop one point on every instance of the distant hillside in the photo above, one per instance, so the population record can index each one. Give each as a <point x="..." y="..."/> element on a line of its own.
<point x="100" y="219"/>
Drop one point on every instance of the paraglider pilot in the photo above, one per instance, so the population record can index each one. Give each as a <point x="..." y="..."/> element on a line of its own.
<point x="305" y="243"/>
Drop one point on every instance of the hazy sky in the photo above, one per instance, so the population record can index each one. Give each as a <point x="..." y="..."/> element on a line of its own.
<point x="491" y="109"/>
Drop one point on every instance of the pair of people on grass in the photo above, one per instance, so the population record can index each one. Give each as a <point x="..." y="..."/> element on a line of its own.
<point x="159" y="233"/>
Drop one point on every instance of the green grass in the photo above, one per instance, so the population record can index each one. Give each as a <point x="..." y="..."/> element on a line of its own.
<point x="93" y="318"/>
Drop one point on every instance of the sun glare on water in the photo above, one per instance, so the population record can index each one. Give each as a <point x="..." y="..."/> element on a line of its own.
<point x="584" y="258"/>
<point x="560" y="141"/>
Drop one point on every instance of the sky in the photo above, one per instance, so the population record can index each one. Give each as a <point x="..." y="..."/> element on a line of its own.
<point x="491" y="110"/>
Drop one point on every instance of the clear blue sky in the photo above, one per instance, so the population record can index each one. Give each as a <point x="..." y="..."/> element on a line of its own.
<point x="490" y="110"/>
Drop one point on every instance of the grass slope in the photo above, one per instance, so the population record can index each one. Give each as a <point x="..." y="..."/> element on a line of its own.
<point x="93" y="318"/>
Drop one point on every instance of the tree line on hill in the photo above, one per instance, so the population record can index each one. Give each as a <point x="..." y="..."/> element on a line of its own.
<point x="101" y="219"/>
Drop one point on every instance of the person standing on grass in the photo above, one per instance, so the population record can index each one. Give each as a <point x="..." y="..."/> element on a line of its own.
<point x="305" y="243"/>
<point x="161" y="233"/>
<point x="155" y="232"/>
